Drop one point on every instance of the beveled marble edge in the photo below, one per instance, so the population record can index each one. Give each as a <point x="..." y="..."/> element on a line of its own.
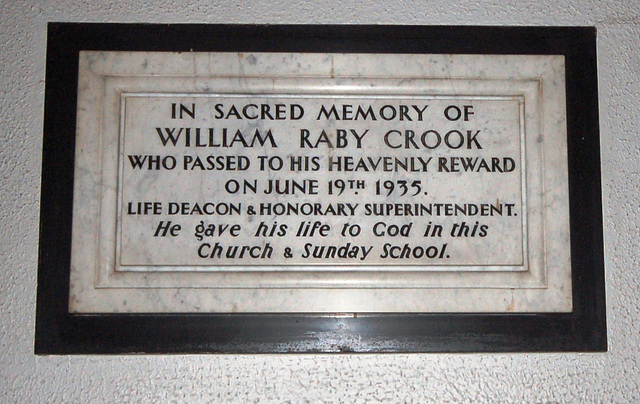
<point x="325" y="65"/>
<point x="325" y="300"/>
<point x="303" y="278"/>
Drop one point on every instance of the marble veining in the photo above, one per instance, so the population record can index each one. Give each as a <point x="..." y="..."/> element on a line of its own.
<point x="118" y="265"/>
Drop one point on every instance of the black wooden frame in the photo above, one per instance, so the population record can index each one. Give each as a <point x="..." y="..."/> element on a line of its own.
<point x="58" y="332"/>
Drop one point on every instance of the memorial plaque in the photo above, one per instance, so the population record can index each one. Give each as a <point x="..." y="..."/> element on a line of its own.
<point x="229" y="188"/>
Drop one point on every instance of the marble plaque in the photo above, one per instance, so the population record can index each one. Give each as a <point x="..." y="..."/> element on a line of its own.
<point x="295" y="182"/>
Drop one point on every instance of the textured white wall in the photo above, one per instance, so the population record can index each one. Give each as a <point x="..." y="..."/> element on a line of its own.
<point x="610" y="377"/>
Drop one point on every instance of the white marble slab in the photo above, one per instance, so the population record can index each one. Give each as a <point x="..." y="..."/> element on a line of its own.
<point x="150" y="176"/>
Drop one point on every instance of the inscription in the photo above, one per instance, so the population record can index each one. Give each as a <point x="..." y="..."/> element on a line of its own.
<point x="266" y="180"/>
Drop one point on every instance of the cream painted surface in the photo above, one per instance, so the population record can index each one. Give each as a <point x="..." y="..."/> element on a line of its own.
<point x="609" y="377"/>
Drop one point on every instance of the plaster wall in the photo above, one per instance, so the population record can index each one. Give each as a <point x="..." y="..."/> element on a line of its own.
<point x="610" y="377"/>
